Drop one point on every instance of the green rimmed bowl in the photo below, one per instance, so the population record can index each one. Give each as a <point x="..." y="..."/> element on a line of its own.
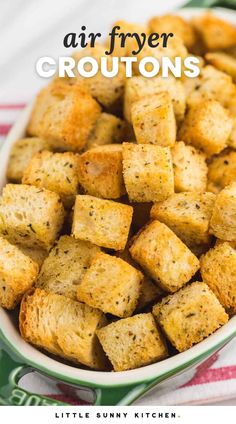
<point x="121" y="388"/>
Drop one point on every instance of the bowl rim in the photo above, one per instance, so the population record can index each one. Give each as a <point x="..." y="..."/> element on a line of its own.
<point x="30" y="355"/>
<point x="40" y="361"/>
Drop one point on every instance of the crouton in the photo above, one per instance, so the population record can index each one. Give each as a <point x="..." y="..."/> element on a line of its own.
<point x="17" y="274"/>
<point x="232" y="137"/>
<point x="222" y="170"/>
<point x="190" y="168"/>
<point x="107" y="91"/>
<point x="100" y="171"/>
<point x="148" y="172"/>
<point x="57" y="172"/>
<point x="153" y="120"/>
<point x="108" y="129"/>
<point x="64" y="115"/>
<point x="139" y="86"/>
<point x="176" y="25"/>
<point x="216" y="33"/>
<point x="212" y="84"/>
<point x="207" y="126"/>
<point x="102" y="222"/>
<point x="164" y="256"/>
<point x="63" y="327"/>
<point x="188" y="215"/>
<point x="133" y="342"/>
<point x="224" y="62"/>
<point x="218" y="270"/>
<point x="30" y="216"/>
<point x="223" y="220"/>
<point x="149" y="292"/>
<point x="231" y="103"/>
<point x="112" y="285"/>
<point x="190" y="315"/>
<point x="21" y="153"/>
<point x="37" y="254"/>
<point x="64" y="268"/>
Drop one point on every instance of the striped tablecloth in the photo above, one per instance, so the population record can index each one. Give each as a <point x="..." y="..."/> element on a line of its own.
<point x="212" y="382"/>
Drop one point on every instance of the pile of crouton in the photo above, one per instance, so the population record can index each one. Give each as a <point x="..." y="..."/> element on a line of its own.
<point x="118" y="222"/>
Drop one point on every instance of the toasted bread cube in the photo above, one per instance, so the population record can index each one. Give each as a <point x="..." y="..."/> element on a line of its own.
<point x="207" y="126"/>
<point x="212" y="84"/>
<point x="107" y="91"/>
<point x="101" y="171"/>
<point x="153" y="120"/>
<point x="64" y="268"/>
<point x="190" y="168"/>
<point x="57" y="172"/>
<point x="112" y="285"/>
<point x="173" y="24"/>
<point x="133" y="342"/>
<point x="21" y="153"/>
<point x="164" y="256"/>
<point x="102" y="222"/>
<point x="108" y="129"/>
<point x="222" y="170"/>
<point x="37" y="254"/>
<point x="149" y="292"/>
<point x="190" y="315"/>
<point x="64" y="115"/>
<point x="224" y="62"/>
<point x="148" y="172"/>
<point x="188" y="215"/>
<point x="63" y="327"/>
<point x="223" y="220"/>
<point x="30" y="216"/>
<point x="218" y="270"/>
<point x="232" y="137"/>
<point x="216" y="33"/>
<point x="231" y="103"/>
<point x="139" y="86"/>
<point x="17" y="274"/>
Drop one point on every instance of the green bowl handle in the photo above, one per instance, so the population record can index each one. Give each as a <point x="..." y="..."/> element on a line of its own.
<point x="230" y="4"/>
<point x="124" y="395"/>
<point x="11" y="370"/>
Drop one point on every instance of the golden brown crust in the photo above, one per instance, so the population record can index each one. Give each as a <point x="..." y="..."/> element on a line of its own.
<point x="112" y="285"/>
<point x="153" y="120"/>
<point x="218" y="270"/>
<point x="188" y="215"/>
<point x="57" y="172"/>
<point x="148" y="172"/>
<point x="63" y="327"/>
<point x="17" y="274"/>
<point x="164" y="256"/>
<point x="100" y="172"/>
<point x="223" y="220"/>
<point x="102" y="222"/>
<point x="190" y="315"/>
<point x="207" y="126"/>
<point x="64" y="115"/>
<point x="133" y="342"/>
<point x="30" y="216"/>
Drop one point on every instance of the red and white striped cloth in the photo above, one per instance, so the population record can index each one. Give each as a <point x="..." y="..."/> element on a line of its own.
<point x="210" y="383"/>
